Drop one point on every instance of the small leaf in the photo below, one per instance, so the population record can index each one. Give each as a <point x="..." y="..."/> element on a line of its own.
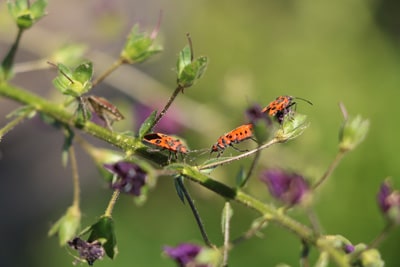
<point x="104" y="231"/>
<point x="147" y="124"/>
<point x="139" y="47"/>
<point x="25" y="16"/>
<point x="184" y="59"/>
<point x="352" y="133"/>
<point x="83" y="73"/>
<point x="67" y="226"/>
<point x="191" y="73"/>
<point x="240" y="177"/>
<point x="69" y="137"/>
<point x="292" y="127"/>
<point x="178" y="181"/>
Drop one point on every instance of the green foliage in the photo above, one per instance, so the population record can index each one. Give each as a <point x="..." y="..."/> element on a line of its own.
<point x="190" y="70"/>
<point x="139" y="47"/>
<point x="67" y="226"/>
<point x="104" y="231"/>
<point x="147" y="124"/>
<point x="74" y="82"/>
<point x="24" y="15"/>
<point x="292" y="127"/>
<point x="352" y="133"/>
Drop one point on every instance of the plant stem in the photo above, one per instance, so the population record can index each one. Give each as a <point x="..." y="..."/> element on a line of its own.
<point x="9" y="126"/>
<point x="166" y="107"/>
<point x="57" y="112"/>
<point x="252" y="167"/>
<point x="383" y="234"/>
<point x="195" y="213"/>
<point x="227" y="216"/>
<point x="75" y="177"/>
<point x="330" y="169"/>
<point x="111" y="204"/>
<point x="241" y="156"/>
<point x="107" y="72"/>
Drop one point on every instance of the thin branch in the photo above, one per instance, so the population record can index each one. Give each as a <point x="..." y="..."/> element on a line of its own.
<point x="111" y="204"/>
<point x="108" y="71"/>
<point x="330" y="169"/>
<point x="75" y="176"/>
<point x="241" y="156"/>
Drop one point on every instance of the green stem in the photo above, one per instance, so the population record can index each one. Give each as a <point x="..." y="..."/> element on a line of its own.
<point x="9" y="126"/>
<point x="266" y="210"/>
<point x="383" y="234"/>
<point x="330" y="169"/>
<point x="241" y="156"/>
<point x="8" y="61"/>
<point x="252" y="167"/>
<point x="107" y="72"/>
<point x="111" y="204"/>
<point x="75" y="177"/>
<point x="57" y="112"/>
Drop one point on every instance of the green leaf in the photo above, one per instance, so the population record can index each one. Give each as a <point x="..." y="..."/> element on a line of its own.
<point x="139" y="46"/>
<point x="67" y="226"/>
<point x="352" y="133"/>
<point x="147" y="124"/>
<point x="83" y="73"/>
<point x="25" y="16"/>
<point x="104" y="231"/>
<point x="69" y="137"/>
<point x="240" y="177"/>
<point x="191" y="73"/>
<point x="184" y="59"/>
<point x="74" y="83"/>
<point x="292" y="127"/>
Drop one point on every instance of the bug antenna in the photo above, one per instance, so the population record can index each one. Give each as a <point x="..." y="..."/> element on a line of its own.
<point x="305" y="100"/>
<point x="63" y="73"/>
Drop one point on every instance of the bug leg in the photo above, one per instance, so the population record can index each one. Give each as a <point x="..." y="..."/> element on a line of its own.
<point x="238" y="149"/>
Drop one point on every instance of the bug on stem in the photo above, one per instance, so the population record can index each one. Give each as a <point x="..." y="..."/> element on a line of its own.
<point x="235" y="136"/>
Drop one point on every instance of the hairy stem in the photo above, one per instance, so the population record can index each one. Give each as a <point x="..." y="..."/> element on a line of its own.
<point x="75" y="177"/>
<point x="241" y="156"/>
<point x="111" y="204"/>
<point x="58" y="112"/>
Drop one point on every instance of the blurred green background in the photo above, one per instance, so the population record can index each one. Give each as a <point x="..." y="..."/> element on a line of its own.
<point x="324" y="51"/>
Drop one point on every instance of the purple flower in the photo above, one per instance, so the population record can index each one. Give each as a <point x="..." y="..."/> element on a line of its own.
<point x="184" y="254"/>
<point x="254" y="114"/>
<point x="287" y="187"/>
<point x="131" y="177"/>
<point x="348" y="248"/>
<point x="389" y="201"/>
<point x="89" y="251"/>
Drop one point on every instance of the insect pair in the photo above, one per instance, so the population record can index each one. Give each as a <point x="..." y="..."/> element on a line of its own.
<point x="278" y="109"/>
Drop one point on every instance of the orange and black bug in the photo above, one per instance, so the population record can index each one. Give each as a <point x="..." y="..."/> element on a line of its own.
<point x="163" y="141"/>
<point x="281" y="106"/>
<point x="104" y="109"/>
<point x="235" y="136"/>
